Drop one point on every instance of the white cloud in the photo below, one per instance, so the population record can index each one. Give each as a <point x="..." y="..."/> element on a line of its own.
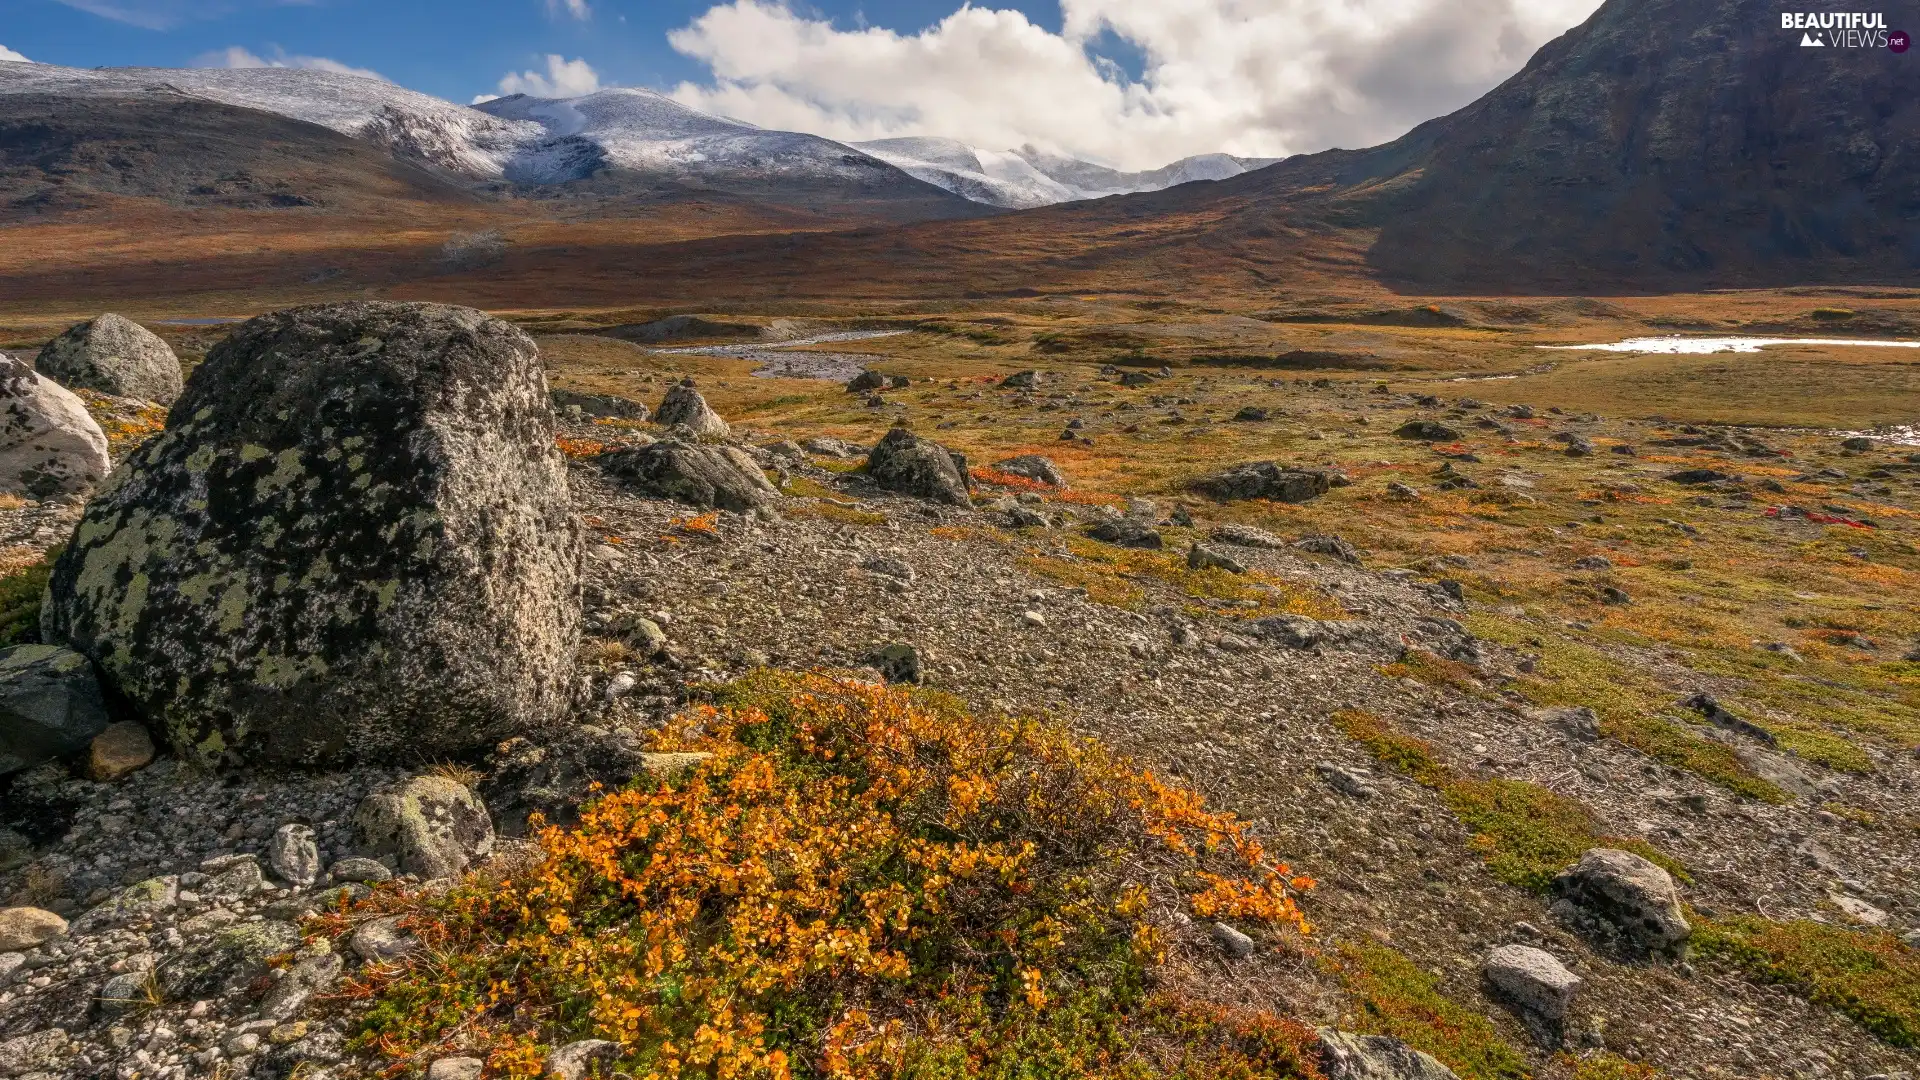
<point x="575" y="8"/>
<point x="8" y="56"/>
<point x="233" y="56"/>
<point x="564" y="78"/>
<point x="1250" y="77"/>
<point x="166" y="14"/>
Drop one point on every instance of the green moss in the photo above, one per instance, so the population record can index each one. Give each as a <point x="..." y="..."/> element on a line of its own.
<point x="1871" y="976"/>
<point x="21" y="594"/>
<point x="1526" y="833"/>
<point x="1394" y="996"/>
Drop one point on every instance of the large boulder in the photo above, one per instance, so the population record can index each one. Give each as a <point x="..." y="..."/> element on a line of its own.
<point x="113" y="355"/>
<point x="1617" y="895"/>
<point x="354" y="541"/>
<point x="50" y="705"/>
<point x="911" y="465"/>
<point x="49" y="443"/>
<point x="684" y="407"/>
<point x="1265" y="480"/>
<point x="698" y="474"/>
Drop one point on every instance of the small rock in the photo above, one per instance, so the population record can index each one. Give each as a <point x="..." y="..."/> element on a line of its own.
<point x="1033" y="618"/>
<point x="1201" y="557"/>
<point x="356" y="868"/>
<point x="294" y="855"/>
<point x="1580" y="722"/>
<point x="1021" y="380"/>
<point x="1857" y="443"/>
<point x="382" y="939"/>
<point x="1402" y="491"/>
<point x="1334" y="546"/>
<point x="122" y="750"/>
<point x="302" y="981"/>
<point x="1622" y="894"/>
<point x="1593" y="562"/>
<point x="434" y="826"/>
<point x="896" y="663"/>
<point x="697" y="474"/>
<point x="1236" y="944"/>
<point x="1345" y="1056"/>
<point x="866" y="382"/>
<point x="1266" y="480"/>
<point x="1533" y="980"/>
<point x="1251" y="414"/>
<point x="1246" y="536"/>
<point x="889" y="566"/>
<point x="1126" y="532"/>
<point x="1852" y="906"/>
<point x="23" y="928"/>
<point x="1427" y="431"/>
<point x="456" y="1068"/>
<point x="575" y="1060"/>
<point x="684" y="407"/>
<point x="1033" y="467"/>
<point x="124" y="993"/>
<point x="1349" y="781"/>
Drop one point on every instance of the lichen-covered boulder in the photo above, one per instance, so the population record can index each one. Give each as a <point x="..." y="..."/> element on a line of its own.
<point x="49" y="444"/>
<point x="50" y="705"/>
<point x="911" y="465"/>
<point x="113" y="355"/>
<point x="354" y="541"/>
<point x="694" y="473"/>
<point x="1616" y="894"/>
<point x="684" y="407"/>
<point x="1265" y="480"/>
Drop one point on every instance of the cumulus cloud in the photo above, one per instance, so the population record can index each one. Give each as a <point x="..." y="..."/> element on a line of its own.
<point x="233" y="56"/>
<point x="577" y="9"/>
<point x="1261" y="78"/>
<point x="564" y="78"/>
<point x="8" y="56"/>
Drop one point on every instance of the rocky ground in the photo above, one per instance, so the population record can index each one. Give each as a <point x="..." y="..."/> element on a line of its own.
<point x="181" y="956"/>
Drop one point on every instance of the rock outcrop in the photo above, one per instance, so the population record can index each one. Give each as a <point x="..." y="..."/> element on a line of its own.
<point x="354" y="540"/>
<point x="906" y="463"/>
<point x="113" y="355"/>
<point x="684" y="407"/>
<point x="1265" y="480"/>
<point x="50" y="705"/>
<point x="697" y="474"/>
<point x="50" y="445"/>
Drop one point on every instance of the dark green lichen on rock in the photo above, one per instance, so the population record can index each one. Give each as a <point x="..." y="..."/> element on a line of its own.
<point x="354" y="540"/>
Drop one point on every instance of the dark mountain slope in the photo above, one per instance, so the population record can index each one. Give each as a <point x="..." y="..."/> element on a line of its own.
<point x="60" y="153"/>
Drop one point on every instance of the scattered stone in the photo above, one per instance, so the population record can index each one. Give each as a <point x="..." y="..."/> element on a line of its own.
<point x="1348" y="781"/>
<point x="1246" y="536"/>
<point x="827" y="446"/>
<point x="1201" y="557"/>
<point x="888" y="566"/>
<point x="597" y="406"/>
<point x="1021" y="380"/>
<point x="356" y="868"/>
<point x="1033" y="619"/>
<point x="456" y="1068"/>
<point x="432" y="825"/>
<point x="355" y="540"/>
<point x="294" y="855"/>
<point x="1580" y="722"/>
<point x="50" y="446"/>
<point x="23" y="928"/>
<point x="1616" y="894"/>
<point x="906" y="463"/>
<point x="1520" y="412"/>
<point x="1265" y="480"/>
<point x="1427" y="431"/>
<point x="896" y="663"/>
<point x="25" y="1055"/>
<point x="1709" y="707"/>
<point x="227" y="961"/>
<point x="697" y="474"/>
<point x="1134" y="380"/>
<point x="137" y="902"/>
<point x="379" y="940"/>
<point x="1033" y="467"/>
<point x="50" y="705"/>
<point x="684" y="407"/>
<point x="113" y="355"/>
<point x="1853" y="908"/>
<point x="1857" y="443"/>
<point x="1236" y="944"/>
<point x="312" y="975"/>
<point x="1402" y="491"/>
<point x="1593" y="562"/>
<point x="1329" y="545"/>
<point x="1126" y="532"/>
<point x="1533" y="980"/>
<point x="1345" y="1056"/>
<point x="577" y="1060"/>
<point x="866" y="382"/>
<point x="1697" y="477"/>
<point x="1251" y="414"/>
<point x="118" y="752"/>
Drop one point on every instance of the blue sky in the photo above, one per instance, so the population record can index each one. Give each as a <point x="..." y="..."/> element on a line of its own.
<point x="450" y="48"/>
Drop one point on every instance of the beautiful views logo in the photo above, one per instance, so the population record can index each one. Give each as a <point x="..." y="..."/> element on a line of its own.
<point x="1843" y="30"/>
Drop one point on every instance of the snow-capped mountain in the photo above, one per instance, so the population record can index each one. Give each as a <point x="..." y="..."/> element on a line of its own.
<point x="1028" y="177"/>
<point x="555" y="141"/>
<point x="647" y="132"/>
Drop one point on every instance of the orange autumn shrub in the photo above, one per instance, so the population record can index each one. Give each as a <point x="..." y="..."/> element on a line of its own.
<point x="860" y="882"/>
